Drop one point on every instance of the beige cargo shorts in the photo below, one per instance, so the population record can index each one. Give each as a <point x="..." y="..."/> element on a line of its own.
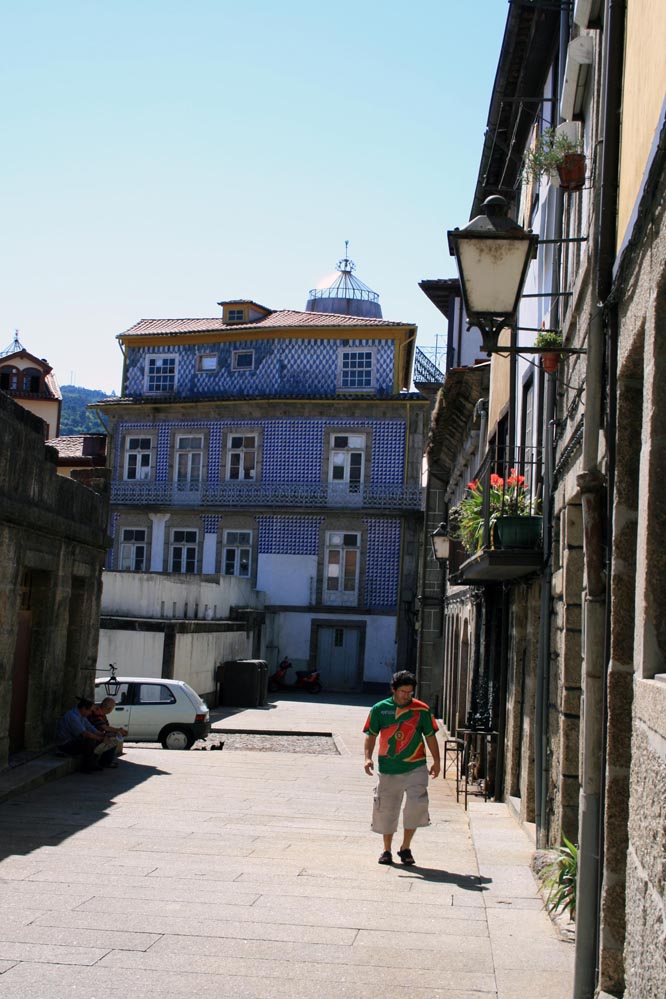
<point x="389" y="793"/>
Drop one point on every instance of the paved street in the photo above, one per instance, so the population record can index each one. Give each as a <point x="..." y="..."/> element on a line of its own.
<point x="254" y="874"/>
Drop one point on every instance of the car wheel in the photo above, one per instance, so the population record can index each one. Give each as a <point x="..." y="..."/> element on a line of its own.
<point x="315" y="688"/>
<point x="175" y="737"/>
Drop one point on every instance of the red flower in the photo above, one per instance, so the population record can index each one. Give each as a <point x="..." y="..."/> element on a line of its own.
<point x="496" y="481"/>
<point x="474" y="484"/>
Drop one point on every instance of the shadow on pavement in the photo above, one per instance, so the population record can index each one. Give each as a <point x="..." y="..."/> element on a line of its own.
<point x="51" y="813"/>
<point x="469" y="882"/>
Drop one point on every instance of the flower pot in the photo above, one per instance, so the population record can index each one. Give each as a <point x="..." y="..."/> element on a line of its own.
<point x="549" y="361"/>
<point x="571" y="171"/>
<point x="518" y="532"/>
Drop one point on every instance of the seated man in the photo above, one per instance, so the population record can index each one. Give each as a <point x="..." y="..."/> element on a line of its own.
<point x="76" y="736"/>
<point x="99" y="718"/>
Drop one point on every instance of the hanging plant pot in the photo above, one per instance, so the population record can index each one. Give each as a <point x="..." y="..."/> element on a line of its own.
<point x="549" y="362"/>
<point x="518" y="532"/>
<point x="571" y="171"/>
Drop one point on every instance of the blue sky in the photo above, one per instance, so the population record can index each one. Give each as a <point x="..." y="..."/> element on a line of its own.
<point x="162" y="156"/>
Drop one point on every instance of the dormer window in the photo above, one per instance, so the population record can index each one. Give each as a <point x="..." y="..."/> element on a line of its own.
<point x="31" y="380"/>
<point x="236" y="315"/>
<point x="9" y="379"/>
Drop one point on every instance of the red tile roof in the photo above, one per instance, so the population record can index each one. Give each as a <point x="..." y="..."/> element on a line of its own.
<point x="282" y="319"/>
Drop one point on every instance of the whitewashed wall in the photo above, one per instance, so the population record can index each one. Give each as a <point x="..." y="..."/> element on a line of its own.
<point x="135" y="653"/>
<point x="153" y="595"/>
<point x="286" y="579"/>
<point x="197" y="656"/>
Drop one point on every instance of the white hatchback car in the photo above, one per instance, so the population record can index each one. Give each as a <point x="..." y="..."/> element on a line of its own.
<point x="157" y="710"/>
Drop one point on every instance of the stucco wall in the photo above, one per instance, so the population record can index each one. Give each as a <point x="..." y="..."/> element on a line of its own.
<point x="643" y="99"/>
<point x="151" y="595"/>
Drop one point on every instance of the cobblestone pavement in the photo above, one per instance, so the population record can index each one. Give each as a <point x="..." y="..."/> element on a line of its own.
<point x="317" y="745"/>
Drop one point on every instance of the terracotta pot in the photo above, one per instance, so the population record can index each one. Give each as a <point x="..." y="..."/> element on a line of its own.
<point x="549" y="362"/>
<point x="571" y="171"/>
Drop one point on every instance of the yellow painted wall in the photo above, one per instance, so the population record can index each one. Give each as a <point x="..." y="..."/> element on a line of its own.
<point x="500" y="381"/>
<point x="46" y="410"/>
<point x="643" y="99"/>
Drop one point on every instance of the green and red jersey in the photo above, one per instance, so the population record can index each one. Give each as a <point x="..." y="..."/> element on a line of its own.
<point x="401" y="732"/>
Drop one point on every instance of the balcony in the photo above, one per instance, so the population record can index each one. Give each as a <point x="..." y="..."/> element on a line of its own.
<point x="502" y="518"/>
<point x="322" y="495"/>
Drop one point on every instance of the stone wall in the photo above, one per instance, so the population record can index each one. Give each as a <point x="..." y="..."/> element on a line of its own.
<point x="634" y="918"/>
<point x="52" y="544"/>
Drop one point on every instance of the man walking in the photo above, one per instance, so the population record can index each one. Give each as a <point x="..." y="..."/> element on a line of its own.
<point x="402" y="723"/>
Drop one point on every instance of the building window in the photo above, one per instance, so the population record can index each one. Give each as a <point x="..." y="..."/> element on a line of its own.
<point x="160" y="374"/>
<point x="342" y="565"/>
<point x="31" y="380"/>
<point x="189" y="460"/>
<point x="206" y="362"/>
<point x="9" y="379"/>
<point x="242" y="457"/>
<point x="183" y="552"/>
<point x="235" y="315"/>
<point x="237" y="553"/>
<point x="138" y="452"/>
<point x="242" y="360"/>
<point x="347" y="457"/>
<point x="355" y="369"/>
<point x="133" y="549"/>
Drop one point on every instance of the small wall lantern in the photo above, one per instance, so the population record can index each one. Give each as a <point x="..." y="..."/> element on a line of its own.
<point x="441" y="543"/>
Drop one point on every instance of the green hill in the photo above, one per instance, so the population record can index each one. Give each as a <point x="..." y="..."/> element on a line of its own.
<point x="75" y="418"/>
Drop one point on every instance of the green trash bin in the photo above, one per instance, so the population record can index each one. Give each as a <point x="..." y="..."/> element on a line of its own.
<point x="244" y="683"/>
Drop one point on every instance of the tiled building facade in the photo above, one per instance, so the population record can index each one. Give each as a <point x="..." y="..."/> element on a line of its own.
<point x="280" y="447"/>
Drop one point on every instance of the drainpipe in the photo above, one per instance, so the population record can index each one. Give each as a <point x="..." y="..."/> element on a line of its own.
<point x="543" y="673"/>
<point x="542" y="698"/>
<point x="592" y="483"/>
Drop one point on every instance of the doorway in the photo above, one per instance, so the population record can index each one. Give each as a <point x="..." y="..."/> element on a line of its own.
<point x="339" y="656"/>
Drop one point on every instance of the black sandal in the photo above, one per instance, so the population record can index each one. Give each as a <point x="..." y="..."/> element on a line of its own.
<point x="406" y="857"/>
<point x="386" y="857"/>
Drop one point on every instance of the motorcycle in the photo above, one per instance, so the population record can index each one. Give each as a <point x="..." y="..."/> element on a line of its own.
<point x="305" y="679"/>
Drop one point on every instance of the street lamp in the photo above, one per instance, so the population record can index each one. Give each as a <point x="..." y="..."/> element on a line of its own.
<point x="441" y="543"/>
<point x="493" y="254"/>
<point x="112" y="686"/>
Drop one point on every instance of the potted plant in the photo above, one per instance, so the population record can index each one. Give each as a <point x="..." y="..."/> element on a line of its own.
<point x="512" y="515"/>
<point x="550" y="344"/>
<point x="554" y="151"/>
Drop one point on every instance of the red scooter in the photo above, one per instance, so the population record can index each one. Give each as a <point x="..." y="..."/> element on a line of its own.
<point x="305" y="679"/>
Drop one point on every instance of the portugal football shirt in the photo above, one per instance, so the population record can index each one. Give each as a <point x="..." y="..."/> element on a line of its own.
<point x="401" y="732"/>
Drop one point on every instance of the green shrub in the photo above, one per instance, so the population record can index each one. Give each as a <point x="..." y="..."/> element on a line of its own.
<point x="560" y="879"/>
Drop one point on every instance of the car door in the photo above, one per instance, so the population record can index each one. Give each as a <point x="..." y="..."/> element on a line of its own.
<point x="154" y="705"/>
<point x="121" y="715"/>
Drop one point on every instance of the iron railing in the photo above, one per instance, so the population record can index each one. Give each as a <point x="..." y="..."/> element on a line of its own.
<point x="263" y="494"/>
<point x="425" y="371"/>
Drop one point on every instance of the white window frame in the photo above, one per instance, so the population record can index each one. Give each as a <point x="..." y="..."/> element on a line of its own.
<point x="235" y="315"/>
<point x="241" y="450"/>
<point x="339" y="547"/>
<point x="130" y="548"/>
<point x="207" y="363"/>
<point x="235" y="366"/>
<point x="151" y="377"/>
<point x="344" y="459"/>
<point x="189" y="453"/>
<point x="145" y="469"/>
<point x="237" y="548"/>
<point x="183" y="551"/>
<point x="348" y="379"/>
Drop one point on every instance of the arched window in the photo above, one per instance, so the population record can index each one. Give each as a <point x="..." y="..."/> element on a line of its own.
<point x="9" y="378"/>
<point x="31" y="380"/>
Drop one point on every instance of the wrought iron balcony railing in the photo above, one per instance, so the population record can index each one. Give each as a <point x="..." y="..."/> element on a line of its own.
<point x="263" y="494"/>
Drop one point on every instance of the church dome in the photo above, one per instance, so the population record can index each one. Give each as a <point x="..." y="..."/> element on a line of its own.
<point x="344" y="294"/>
